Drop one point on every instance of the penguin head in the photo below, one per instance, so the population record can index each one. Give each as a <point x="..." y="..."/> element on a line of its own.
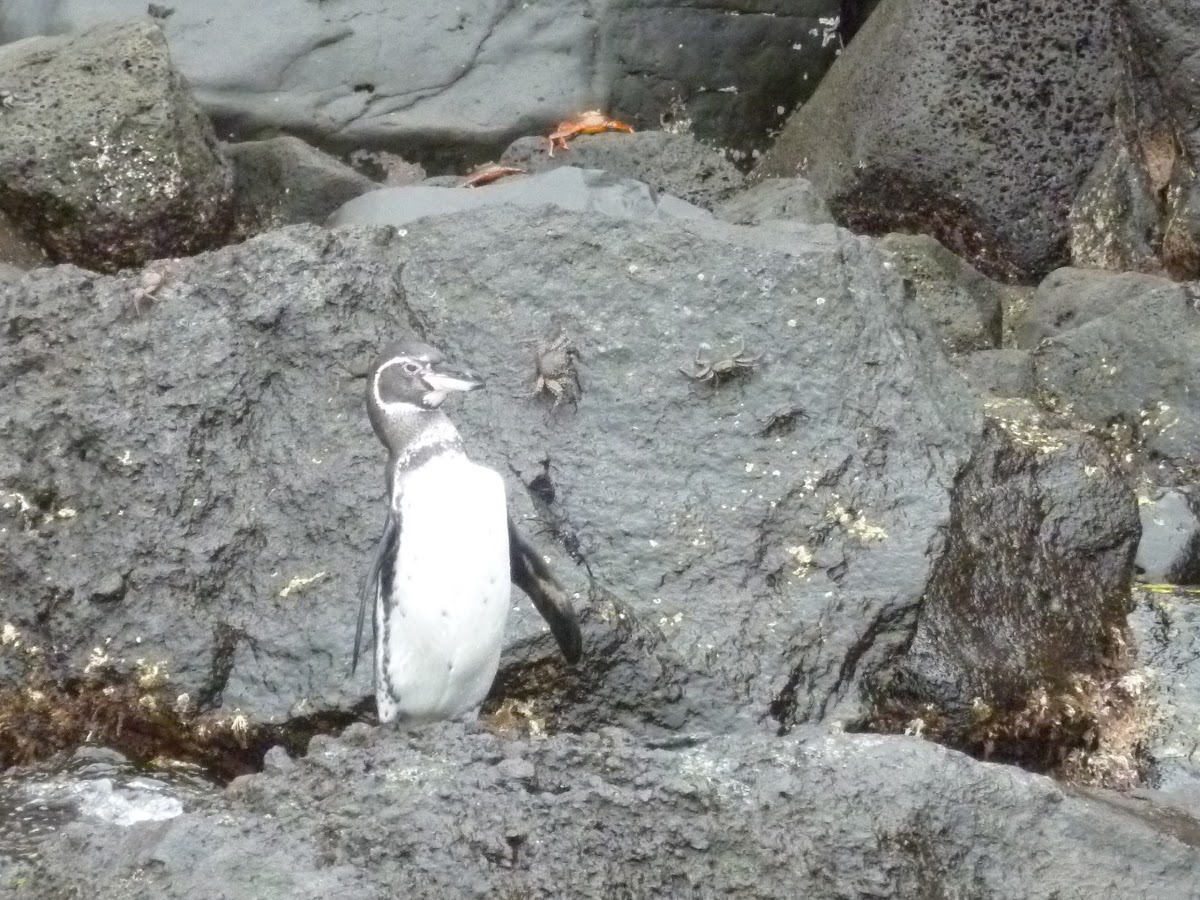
<point x="407" y="383"/>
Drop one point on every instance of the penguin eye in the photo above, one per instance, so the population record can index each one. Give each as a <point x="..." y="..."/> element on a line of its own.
<point x="411" y="368"/>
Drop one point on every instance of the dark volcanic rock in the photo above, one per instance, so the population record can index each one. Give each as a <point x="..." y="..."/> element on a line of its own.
<point x="445" y="83"/>
<point x="449" y="813"/>
<point x="205" y="443"/>
<point x="1069" y="298"/>
<point x="105" y="158"/>
<point x="775" y="198"/>
<point x="974" y="123"/>
<point x="1040" y="500"/>
<point x="963" y="306"/>
<point x="284" y="181"/>
<point x="1140" y="208"/>
<point x="1169" y="550"/>
<point x="588" y="191"/>
<point x="1001" y="373"/>
<point x="1126" y="362"/>
<point x="672" y="163"/>
<point x="1166" y="627"/>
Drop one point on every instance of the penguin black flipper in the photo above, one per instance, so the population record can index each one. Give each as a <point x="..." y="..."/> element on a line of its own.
<point x="384" y="552"/>
<point x="534" y="577"/>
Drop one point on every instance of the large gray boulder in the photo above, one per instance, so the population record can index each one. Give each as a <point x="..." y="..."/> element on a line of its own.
<point x="207" y="488"/>
<point x="448" y="813"/>
<point x="975" y="124"/>
<point x="105" y="158"/>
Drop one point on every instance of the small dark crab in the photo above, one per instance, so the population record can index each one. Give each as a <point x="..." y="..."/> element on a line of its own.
<point x="714" y="372"/>
<point x="9" y="100"/>
<point x="782" y="421"/>
<point x="554" y="363"/>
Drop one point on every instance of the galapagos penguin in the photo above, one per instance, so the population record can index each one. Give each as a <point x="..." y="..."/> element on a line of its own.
<point x="439" y="580"/>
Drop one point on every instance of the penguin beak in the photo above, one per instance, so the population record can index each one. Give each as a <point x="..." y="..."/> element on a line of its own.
<point x="442" y="383"/>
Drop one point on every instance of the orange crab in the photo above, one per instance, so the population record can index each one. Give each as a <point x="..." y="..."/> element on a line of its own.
<point x="590" y="122"/>
<point x="489" y="172"/>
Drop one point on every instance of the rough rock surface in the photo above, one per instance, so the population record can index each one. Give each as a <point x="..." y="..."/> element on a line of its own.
<point x="1166" y="627"/>
<point x="451" y="813"/>
<point x="776" y="529"/>
<point x="587" y="191"/>
<point x="1119" y="351"/>
<point x="1034" y="498"/>
<point x="905" y="131"/>
<point x="284" y="181"/>
<point x="675" y="164"/>
<point x="963" y="306"/>
<point x="1001" y="373"/>
<point x="775" y="198"/>
<point x="451" y="82"/>
<point x="1140" y="208"/>
<point x="1169" y="550"/>
<point x="1068" y="298"/>
<point x="105" y="158"/>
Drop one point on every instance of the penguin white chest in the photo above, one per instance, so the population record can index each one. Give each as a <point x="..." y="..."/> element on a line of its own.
<point x="442" y="621"/>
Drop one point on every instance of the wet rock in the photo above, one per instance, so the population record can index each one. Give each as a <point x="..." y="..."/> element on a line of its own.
<point x="1166" y="629"/>
<point x="973" y="124"/>
<point x="1068" y="298"/>
<point x="106" y="159"/>
<point x="567" y="188"/>
<point x="459" y="82"/>
<point x="1140" y="207"/>
<point x="779" y="564"/>
<point x="675" y="164"/>
<point x="448" y="812"/>
<point x="1122" y="360"/>
<point x="284" y="181"/>
<point x="963" y="306"/>
<point x="1000" y="373"/>
<point x="1169" y="550"/>
<point x="775" y="198"/>
<point x="1032" y="591"/>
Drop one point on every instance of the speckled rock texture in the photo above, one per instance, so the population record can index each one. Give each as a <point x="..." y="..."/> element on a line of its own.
<point x="105" y="158"/>
<point x="675" y="164"/>
<point x="450" y="813"/>
<point x="1034" y="498"/>
<point x="776" y="528"/>
<point x="963" y="306"/>
<point x="975" y="123"/>
<point x="284" y="181"/>
<point x="1169" y="550"/>
<point x="789" y="199"/>
<point x="448" y="84"/>
<point x="1166" y="626"/>
<point x="1140" y="208"/>
<point x="1118" y="351"/>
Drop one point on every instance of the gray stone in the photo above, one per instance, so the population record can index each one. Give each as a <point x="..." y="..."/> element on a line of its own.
<point x="106" y="159"/>
<point x="675" y="164"/>
<point x="1035" y="499"/>
<point x="973" y="123"/>
<point x="284" y="181"/>
<point x="1126" y="363"/>
<point x="816" y="814"/>
<point x="1068" y="298"/>
<point x="1166" y="629"/>
<point x="1001" y="373"/>
<point x="213" y="445"/>
<point x="1169" y="550"/>
<point x="963" y="306"/>
<point x="775" y="198"/>
<point x="569" y="189"/>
